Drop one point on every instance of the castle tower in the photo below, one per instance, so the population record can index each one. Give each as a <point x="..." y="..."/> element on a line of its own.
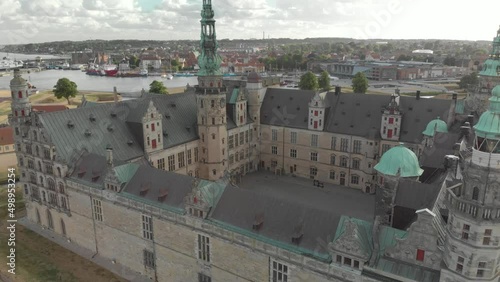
<point x="390" y="128"/>
<point x="490" y="74"/>
<point x="397" y="163"/>
<point x="21" y="106"/>
<point x="211" y="94"/>
<point x="472" y="246"/>
<point x="152" y="129"/>
<point x="316" y="113"/>
<point x="436" y="125"/>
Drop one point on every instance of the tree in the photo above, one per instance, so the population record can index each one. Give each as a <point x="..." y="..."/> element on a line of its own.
<point x="308" y="81"/>
<point x="157" y="87"/>
<point x="449" y="61"/>
<point x="467" y="80"/>
<point x="65" y="88"/>
<point x="359" y="83"/>
<point x="324" y="81"/>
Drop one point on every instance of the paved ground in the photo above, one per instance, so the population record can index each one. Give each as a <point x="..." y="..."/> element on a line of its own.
<point x="339" y="199"/>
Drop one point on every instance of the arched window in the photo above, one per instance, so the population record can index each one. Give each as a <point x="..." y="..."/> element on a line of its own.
<point x="38" y="219"/>
<point x="20" y="94"/>
<point x="61" y="188"/>
<point x="44" y="196"/>
<point x="475" y="193"/>
<point x="59" y="171"/>
<point x="214" y="172"/>
<point x="41" y="181"/>
<point x="213" y="135"/>
<point x="52" y="184"/>
<point x="37" y="150"/>
<point x="39" y="164"/>
<point x="50" y="222"/>
<point x="63" y="227"/>
<point x="332" y="159"/>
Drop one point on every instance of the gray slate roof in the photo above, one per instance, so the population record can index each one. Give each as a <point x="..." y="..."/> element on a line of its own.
<point x="416" y="195"/>
<point x="238" y="207"/>
<point x="352" y="114"/>
<point x="90" y="168"/>
<point x="158" y="181"/>
<point x="433" y="157"/>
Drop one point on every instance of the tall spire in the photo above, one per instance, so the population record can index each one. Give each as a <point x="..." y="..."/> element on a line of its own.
<point x="209" y="60"/>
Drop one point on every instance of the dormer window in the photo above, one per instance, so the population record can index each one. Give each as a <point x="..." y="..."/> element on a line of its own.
<point x="152" y="127"/>
<point x="152" y="115"/>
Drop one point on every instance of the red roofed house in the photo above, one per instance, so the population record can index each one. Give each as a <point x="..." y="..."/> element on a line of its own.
<point x="48" y="108"/>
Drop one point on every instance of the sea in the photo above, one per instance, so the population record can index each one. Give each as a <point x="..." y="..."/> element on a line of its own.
<point x="46" y="79"/>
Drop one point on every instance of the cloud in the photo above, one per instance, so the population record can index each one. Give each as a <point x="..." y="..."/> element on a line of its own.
<point x="25" y="21"/>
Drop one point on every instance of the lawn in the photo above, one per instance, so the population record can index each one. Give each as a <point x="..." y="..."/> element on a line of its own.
<point x="40" y="260"/>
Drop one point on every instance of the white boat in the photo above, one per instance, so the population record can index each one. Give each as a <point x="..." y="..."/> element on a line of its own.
<point x="167" y="76"/>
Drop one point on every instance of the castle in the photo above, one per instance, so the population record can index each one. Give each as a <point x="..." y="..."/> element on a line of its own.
<point x="150" y="188"/>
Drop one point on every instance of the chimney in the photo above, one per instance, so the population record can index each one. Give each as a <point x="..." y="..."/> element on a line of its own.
<point x="470" y="119"/>
<point x="451" y="164"/>
<point x="109" y="155"/>
<point x="337" y="90"/>
<point x="454" y="96"/>
<point x="465" y="130"/>
<point x="418" y="95"/>
<point x="115" y="94"/>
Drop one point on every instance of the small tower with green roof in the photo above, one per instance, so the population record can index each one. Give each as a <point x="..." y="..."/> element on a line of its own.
<point x="436" y="125"/>
<point x="490" y="73"/>
<point x="398" y="162"/>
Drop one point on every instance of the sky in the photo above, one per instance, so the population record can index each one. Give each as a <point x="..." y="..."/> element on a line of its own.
<point x="33" y="21"/>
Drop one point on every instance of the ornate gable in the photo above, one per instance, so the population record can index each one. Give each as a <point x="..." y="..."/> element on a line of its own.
<point x="355" y="239"/>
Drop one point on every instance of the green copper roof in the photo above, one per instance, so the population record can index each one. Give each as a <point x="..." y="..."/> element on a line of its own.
<point x="436" y="125"/>
<point x="209" y="60"/>
<point x="488" y="125"/>
<point x="491" y="67"/>
<point x="234" y="96"/>
<point x="363" y="232"/>
<point x="399" y="160"/>
<point x="126" y="171"/>
<point x="211" y="191"/>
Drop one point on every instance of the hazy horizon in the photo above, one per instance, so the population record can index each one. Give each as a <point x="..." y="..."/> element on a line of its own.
<point x="38" y="21"/>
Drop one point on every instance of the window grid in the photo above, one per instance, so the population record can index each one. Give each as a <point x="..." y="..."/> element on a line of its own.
<point x="97" y="209"/>
<point x="189" y="157"/>
<point x="314" y="156"/>
<point x="203" y="248"/>
<point x="231" y="141"/>
<point x="147" y="227"/>
<point x="354" y="179"/>
<point x="314" y="140"/>
<point x="274" y="150"/>
<point x="293" y="137"/>
<point x="274" y="135"/>
<point x="181" y="160"/>
<point x="161" y="163"/>
<point x="204" y="278"/>
<point x="344" y="144"/>
<point x="149" y="259"/>
<point x="293" y="153"/>
<point x="356" y="147"/>
<point x="171" y="163"/>
<point x="313" y="171"/>
<point x="279" y="272"/>
<point x="355" y="163"/>
<point x="242" y="138"/>
<point x="195" y="154"/>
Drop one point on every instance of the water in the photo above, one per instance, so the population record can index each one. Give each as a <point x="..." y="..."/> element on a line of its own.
<point x="46" y="79"/>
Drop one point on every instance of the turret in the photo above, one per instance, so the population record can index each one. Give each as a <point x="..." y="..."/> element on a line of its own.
<point x="211" y="101"/>
<point x="390" y="128"/>
<point x="490" y="73"/>
<point x="436" y="125"/>
<point x="152" y="129"/>
<point x="21" y="106"/>
<point x="316" y="113"/>
<point x="398" y="162"/>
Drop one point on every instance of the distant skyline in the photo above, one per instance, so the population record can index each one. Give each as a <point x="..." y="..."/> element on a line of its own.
<point x="34" y="21"/>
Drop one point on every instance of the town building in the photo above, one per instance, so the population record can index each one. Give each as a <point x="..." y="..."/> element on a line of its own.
<point x="218" y="183"/>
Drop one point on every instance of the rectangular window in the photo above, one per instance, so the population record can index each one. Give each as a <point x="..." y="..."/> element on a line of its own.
<point x="251" y="134"/>
<point x="314" y="140"/>
<point x="347" y="261"/>
<point x="356" y="264"/>
<point x="333" y="143"/>
<point x="339" y="259"/>
<point x="356" y="147"/>
<point x="343" y="161"/>
<point x="314" y="156"/>
<point x="97" y="209"/>
<point x="204" y="278"/>
<point x="481" y="264"/>
<point x="231" y="159"/>
<point x="189" y="157"/>
<point x="344" y="144"/>
<point x="149" y="259"/>
<point x="46" y="153"/>
<point x="152" y="127"/>
<point x="293" y="153"/>
<point x="332" y="159"/>
<point x="420" y="255"/>
<point x="204" y="248"/>
<point x="293" y="137"/>
<point x="274" y="135"/>
<point x="246" y="136"/>
<point x="385" y="148"/>
<point x="160" y="164"/>
<point x="236" y="140"/>
<point x="465" y="231"/>
<point x="355" y="163"/>
<point x="171" y="163"/>
<point x="274" y="150"/>
<point x="274" y="163"/>
<point x="354" y="179"/>
<point x="279" y="272"/>
<point x="195" y="155"/>
<point x="147" y="227"/>
<point x="391" y="120"/>
<point x="487" y="236"/>
<point x="313" y="171"/>
<point x="480" y="273"/>
<point x="181" y="160"/>
<point x="231" y="141"/>
<point x="332" y="174"/>
<point x="460" y="264"/>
